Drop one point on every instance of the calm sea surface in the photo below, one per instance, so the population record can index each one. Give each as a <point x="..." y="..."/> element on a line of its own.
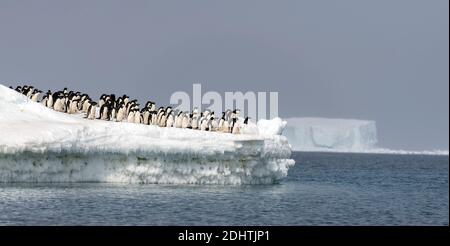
<point x="321" y="189"/>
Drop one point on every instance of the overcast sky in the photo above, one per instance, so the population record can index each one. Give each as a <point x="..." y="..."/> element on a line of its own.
<point x="383" y="60"/>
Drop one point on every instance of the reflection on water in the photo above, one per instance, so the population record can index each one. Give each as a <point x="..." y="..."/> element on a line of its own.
<point x="322" y="189"/>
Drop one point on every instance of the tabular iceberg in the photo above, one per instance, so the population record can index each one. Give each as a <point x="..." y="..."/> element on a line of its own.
<point x="322" y="134"/>
<point x="340" y="135"/>
<point x="38" y="144"/>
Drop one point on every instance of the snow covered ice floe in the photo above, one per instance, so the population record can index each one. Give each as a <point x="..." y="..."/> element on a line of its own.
<point x="38" y="144"/>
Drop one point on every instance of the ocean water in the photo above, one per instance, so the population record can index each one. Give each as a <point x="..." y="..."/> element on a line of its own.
<point x="321" y="189"/>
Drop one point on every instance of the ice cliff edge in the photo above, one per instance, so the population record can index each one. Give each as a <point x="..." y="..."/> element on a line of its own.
<point x="38" y="144"/>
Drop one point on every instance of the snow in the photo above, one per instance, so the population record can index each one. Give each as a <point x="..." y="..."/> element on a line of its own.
<point x="340" y="135"/>
<point x="38" y="144"/>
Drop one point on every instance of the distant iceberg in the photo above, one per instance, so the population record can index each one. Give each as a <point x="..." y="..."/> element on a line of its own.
<point x="339" y="135"/>
<point x="312" y="134"/>
<point x="38" y="144"/>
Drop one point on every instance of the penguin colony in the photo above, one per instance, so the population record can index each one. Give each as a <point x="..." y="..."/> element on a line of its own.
<point x="123" y="109"/>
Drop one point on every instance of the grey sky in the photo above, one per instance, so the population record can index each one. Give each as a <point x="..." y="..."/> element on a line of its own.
<point x="384" y="60"/>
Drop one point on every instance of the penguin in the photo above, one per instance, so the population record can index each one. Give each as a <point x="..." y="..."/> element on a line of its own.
<point x="44" y="100"/>
<point x="85" y="104"/>
<point x="204" y="125"/>
<point x="152" y="118"/>
<point x="72" y="107"/>
<point x="235" y="127"/>
<point x="105" y="111"/>
<point x="170" y="120"/>
<point x="169" y="110"/>
<point x="30" y="93"/>
<point x="214" y="125"/>
<point x="149" y="105"/>
<point x="159" y="115"/>
<point x="130" y="117"/>
<point x="163" y="120"/>
<point x="113" y="100"/>
<point x="130" y="104"/>
<point x="137" y="116"/>
<point x="113" y="113"/>
<point x="125" y="99"/>
<point x="59" y="104"/>
<point x="102" y="100"/>
<point x="26" y="90"/>
<point x="90" y="113"/>
<point x="178" y="119"/>
<point x="19" y="88"/>
<point x="146" y="116"/>
<point x="225" y="128"/>
<point x="194" y="122"/>
<point x="185" y="121"/>
<point x="35" y="95"/>
<point x="121" y="113"/>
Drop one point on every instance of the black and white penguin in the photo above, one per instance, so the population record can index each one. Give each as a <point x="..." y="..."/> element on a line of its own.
<point x="186" y="121"/>
<point x="35" y="96"/>
<point x="31" y="92"/>
<point x="178" y="119"/>
<point x="204" y="124"/>
<point x="159" y="115"/>
<point x="44" y="100"/>
<point x="137" y="116"/>
<point x="102" y="100"/>
<point x="146" y="116"/>
<point x="49" y="102"/>
<point x="195" y="121"/>
<point x="214" y="125"/>
<point x="59" y="104"/>
<point x="170" y="120"/>
<point x="121" y="112"/>
<point x="90" y="113"/>
<point x="130" y="116"/>
<point x="163" y="119"/>
<point x="105" y="111"/>
<point x="72" y="106"/>
<point x="85" y="104"/>
<point x="235" y="127"/>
